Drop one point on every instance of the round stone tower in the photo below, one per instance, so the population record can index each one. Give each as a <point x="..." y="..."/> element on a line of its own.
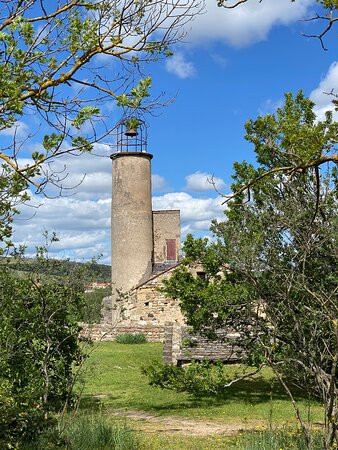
<point x="132" y="230"/>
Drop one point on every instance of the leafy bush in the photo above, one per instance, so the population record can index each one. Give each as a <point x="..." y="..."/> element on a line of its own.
<point x="197" y="378"/>
<point x="131" y="338"/>
<point x="40" y="349"/>
<point x="269" y="270"/>
<point x="91" y="311"/>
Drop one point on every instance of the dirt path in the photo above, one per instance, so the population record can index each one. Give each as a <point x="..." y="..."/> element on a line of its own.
<point x="147" y="422"/>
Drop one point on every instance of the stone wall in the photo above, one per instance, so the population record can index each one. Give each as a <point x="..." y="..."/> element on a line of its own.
<point x="181" y="346"/>
<point x="150" y="306"/>
<point x="166" y="225"/>
<point x="100" y="332"/>
<point x="144" y="306"/>
<point x="144" y="310"/>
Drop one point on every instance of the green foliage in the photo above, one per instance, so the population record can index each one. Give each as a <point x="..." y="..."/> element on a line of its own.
<point x="41" y="349"/>
<point x="91" y="311"/>
<point x="136" y="95"/>
<point x="270" y="271"/>
<point x="82" y="144"/>
<point x="13" y="192"/>
<point x="132" y="123"/>
<point x="199" y="379"/>
<point x="329" y="4"/>
<point x="52" y="141"/>
<point x="131" y="338"/>
<point x="22" y="266"/>
<point x="85" y="114"/>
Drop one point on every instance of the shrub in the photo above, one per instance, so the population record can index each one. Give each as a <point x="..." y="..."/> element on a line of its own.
<point x="198" y="378"/>
<point x="91" y="311"/>
<point x="40" y="350"/>
<point x="131" y="338"/>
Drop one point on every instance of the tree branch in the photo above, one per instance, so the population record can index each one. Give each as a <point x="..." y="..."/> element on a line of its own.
<point x="320" y="36"/>
<point x="290" y="170"/>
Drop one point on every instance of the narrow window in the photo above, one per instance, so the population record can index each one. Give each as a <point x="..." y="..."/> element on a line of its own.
<point x="171" y="250"/>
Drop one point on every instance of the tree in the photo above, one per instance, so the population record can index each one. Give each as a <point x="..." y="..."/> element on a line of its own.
<point x="61" y="62"/>
<point x="41" y="346"/>
<point x="326" y="14"/>
<point x="270" y="271"/>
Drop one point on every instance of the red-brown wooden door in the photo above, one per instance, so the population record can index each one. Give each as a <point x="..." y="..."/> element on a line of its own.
<point x="171" y="250"/>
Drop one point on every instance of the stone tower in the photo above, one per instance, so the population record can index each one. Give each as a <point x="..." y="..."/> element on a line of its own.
<point x="132" y="228"/>
<point x="145" y="243"/>
<point x="131" y="234"/>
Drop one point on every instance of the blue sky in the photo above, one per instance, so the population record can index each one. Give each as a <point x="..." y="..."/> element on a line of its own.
<point x="233" y="66"/>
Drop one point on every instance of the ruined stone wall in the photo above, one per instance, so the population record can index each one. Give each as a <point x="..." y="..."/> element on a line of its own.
<point x="166" y="225"/>
<point x="100" y="332"/>
<point x="147" y="306"/>
<point x="181" y="346"/>
<point x="144" y="309"/>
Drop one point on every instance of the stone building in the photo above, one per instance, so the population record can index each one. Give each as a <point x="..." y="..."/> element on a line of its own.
<point x="146" y="251"/>
<point x="145" y="244"/>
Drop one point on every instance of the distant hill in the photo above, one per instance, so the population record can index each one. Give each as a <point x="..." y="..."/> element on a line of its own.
<point x="100" y="273"/>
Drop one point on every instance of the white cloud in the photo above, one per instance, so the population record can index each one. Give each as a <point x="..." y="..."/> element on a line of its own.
<point x="92" y="185"/>
<point x="201" y="182"/>
<point x="320" y="95"/>
<point x="19" y="130"/>
<point x="82" y="221"/>
<point x="68" y="213"/>
<point x="219" y="59"/>
<point x="247" y="24"/>
<point x="87" y="175"/>
<point x="177" y="65"/>
<point x="83" y="226"/>
<point x="158" y="183"/>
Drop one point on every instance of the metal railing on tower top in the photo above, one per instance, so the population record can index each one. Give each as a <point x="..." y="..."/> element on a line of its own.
<point x="131" y="136"/>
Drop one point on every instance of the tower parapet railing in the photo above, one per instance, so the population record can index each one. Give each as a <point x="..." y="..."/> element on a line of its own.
<point x="131" y="136"/>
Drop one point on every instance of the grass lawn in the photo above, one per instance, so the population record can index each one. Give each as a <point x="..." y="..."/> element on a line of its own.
<point x="113" y="381"/>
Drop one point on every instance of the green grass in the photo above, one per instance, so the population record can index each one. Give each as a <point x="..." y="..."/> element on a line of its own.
<point x="274" y="439"/>
<point x="131" y="338"/>
<point x="113" y="380"/>
<point x="163" y="442"/>
<point x="87" y="432"/>
<point x="286" y="439"/>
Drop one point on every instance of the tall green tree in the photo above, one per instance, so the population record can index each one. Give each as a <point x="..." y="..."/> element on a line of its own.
<point x="271" y="270"/>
